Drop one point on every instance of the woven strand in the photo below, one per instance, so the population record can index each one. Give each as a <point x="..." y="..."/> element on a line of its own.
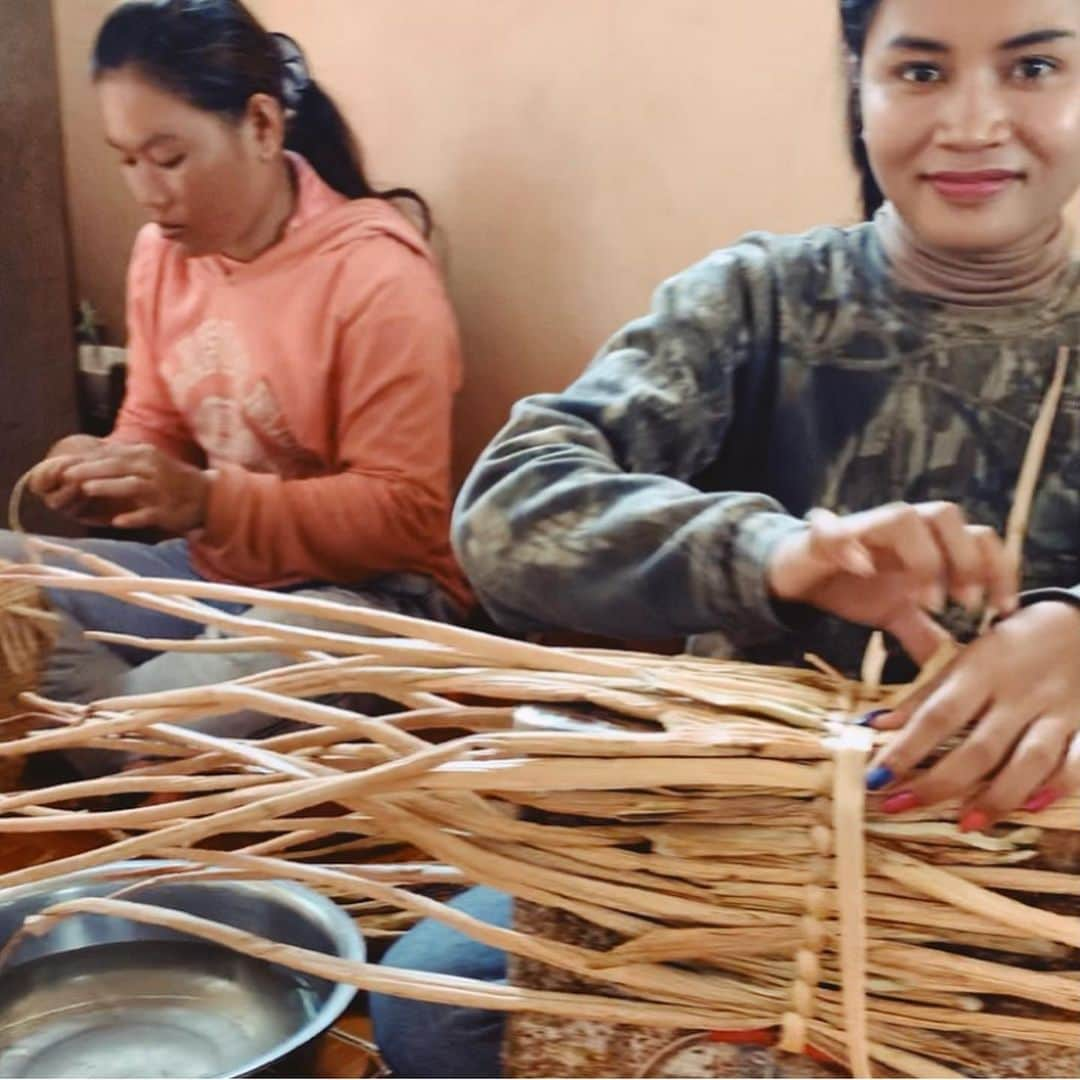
<point x="27" y="629"/>
<point x="1034" y="456"/>
<point x="15" y="502"/>
<point x="852" y="746"/>
<point x="807" y="959"/>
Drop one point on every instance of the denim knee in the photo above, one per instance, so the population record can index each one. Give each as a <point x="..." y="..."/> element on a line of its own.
<point x="421" y="1039"/>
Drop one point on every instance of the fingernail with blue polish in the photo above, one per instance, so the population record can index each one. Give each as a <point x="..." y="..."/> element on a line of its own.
<point x="867" y="720"/>
<point x="878" y="777"/>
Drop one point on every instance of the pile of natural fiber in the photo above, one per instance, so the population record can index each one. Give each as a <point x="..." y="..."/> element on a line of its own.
<point x="709" y="816"/>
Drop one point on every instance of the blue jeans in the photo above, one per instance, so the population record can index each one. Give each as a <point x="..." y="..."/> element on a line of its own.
<point x="169" y="559"/>
<point x="421" y="1039"/>
<point x="84" y="671"/>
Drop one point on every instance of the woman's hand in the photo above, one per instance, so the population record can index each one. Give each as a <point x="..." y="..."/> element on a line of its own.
<point x="889" y="566"/>
<point x="47" y="479"/>
<point x="1014" y="697"/>
<point x="145" y="487"/>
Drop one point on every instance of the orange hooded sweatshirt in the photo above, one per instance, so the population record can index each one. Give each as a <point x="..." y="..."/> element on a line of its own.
<point x="317" y="380"/>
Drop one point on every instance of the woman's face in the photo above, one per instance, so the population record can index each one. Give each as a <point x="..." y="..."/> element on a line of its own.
<point x="971" y="114"/>
<point x="203" y="178"/>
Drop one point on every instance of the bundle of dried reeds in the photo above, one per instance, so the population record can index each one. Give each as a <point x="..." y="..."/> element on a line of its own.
<point x="709" y="815"/>
<point x="27" y="630"/>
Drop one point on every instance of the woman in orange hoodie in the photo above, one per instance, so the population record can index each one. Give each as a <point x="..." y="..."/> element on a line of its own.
<point x="292" y="353"/>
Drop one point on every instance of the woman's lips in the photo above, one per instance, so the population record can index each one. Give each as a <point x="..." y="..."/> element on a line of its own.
<point x="972" y="187"/>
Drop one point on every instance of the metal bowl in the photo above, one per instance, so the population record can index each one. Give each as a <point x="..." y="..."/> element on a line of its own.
<point x="100" y="996"/>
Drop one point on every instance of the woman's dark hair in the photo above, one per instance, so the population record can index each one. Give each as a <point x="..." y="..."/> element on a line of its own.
<point x="855" y="18"/>
<point x="215" y="55"/>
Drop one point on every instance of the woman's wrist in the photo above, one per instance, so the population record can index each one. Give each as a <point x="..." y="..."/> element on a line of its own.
<point x="207" y="478"/>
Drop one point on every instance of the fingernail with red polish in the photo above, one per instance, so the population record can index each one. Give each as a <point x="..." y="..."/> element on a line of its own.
<point x="901" y="801"/>
<point x="1042" y="800"/>
<point x="974" y="821"/>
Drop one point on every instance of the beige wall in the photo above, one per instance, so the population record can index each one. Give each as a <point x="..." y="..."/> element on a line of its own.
<point x="574" y="151"/>
<point x="101" y="216"/>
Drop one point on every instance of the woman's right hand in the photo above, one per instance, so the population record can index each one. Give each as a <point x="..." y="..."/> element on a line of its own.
<point x="890" y="566"/>
<point x="47" y="478"/>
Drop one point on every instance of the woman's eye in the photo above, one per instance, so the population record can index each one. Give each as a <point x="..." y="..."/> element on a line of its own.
<point x="921" y="73"/>
<point x="1034" y="67"/>
<point x="171" y="163"/>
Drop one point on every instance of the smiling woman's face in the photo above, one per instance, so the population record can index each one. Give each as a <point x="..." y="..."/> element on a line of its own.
<point x="196" y="174"/>
<point x="971" y="116"/>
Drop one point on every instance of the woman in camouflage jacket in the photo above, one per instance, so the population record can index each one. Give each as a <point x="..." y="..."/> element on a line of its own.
<point x="809" y="436"/>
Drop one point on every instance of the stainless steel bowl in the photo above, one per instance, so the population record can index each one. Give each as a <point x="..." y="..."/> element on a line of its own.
<point x="98" y="996"/>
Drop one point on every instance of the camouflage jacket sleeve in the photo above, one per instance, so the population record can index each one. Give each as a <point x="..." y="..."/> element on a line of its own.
<point x="582" y="515"/>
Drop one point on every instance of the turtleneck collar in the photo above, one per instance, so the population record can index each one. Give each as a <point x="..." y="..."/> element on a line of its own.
<point x="987" y="279"/>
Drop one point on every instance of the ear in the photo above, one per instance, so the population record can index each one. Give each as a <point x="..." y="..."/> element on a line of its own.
<point x="265" y="123"/>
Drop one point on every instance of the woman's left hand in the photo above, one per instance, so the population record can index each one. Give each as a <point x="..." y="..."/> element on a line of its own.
<point x="1015" y="693"/>
<point x="156" y="490"/>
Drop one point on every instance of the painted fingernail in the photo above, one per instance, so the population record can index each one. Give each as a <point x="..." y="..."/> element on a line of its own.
<point x="901" y="801"/>
<point x="1042" y="800"/>
<point x="878" y="777"/>
<point x="868" y="719"/>
<point x="974" y="821"/>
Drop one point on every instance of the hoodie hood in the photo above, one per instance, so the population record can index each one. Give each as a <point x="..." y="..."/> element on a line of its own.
<point x="323" y="222"/>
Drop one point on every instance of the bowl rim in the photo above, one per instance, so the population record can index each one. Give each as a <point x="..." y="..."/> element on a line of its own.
<point x="340" y="927"/>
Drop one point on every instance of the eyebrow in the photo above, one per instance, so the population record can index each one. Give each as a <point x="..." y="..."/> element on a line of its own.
<point x="147" y="144"/>
<point x="1036" y="37"/>
<point x="912" y="43"/>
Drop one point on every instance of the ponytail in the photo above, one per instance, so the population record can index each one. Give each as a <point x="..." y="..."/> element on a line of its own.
<point x="318" y="132"/>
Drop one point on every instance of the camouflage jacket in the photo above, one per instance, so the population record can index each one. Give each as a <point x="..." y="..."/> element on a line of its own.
<point x="777" y="375"/>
